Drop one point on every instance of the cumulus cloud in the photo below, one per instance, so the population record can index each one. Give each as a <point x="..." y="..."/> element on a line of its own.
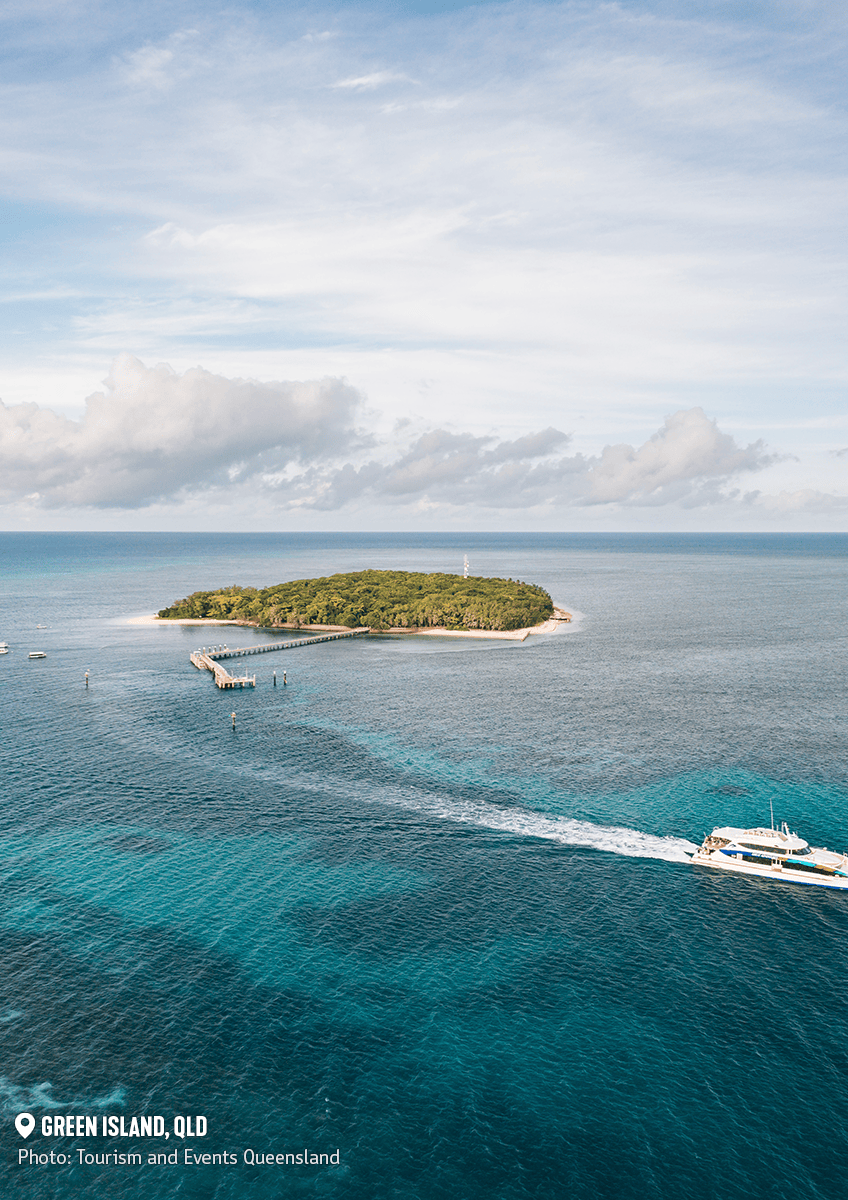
<point x="455" y="468"/>
<point x="153" y="433"/>
<point x="688" y="449"/>
<point x="688" y="461"/>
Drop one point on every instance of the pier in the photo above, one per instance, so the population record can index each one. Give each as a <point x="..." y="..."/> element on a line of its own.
<point x="223" y="678"/>
<point x="207" y="659"/>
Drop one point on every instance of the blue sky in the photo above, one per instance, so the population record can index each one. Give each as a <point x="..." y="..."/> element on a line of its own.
<point x="424" y="265"/>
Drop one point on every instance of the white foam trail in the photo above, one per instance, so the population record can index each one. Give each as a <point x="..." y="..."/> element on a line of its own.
<point x="615" y="839"/>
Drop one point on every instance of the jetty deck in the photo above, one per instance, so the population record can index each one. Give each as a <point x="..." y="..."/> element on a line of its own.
<point x="223" y="678"/>
<point x="208" y="658"/>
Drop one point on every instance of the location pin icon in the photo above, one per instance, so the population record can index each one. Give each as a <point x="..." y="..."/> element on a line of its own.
<point x="24" y="1123"/>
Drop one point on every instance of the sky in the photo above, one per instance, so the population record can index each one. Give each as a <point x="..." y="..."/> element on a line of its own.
<point x="423" y="265"/>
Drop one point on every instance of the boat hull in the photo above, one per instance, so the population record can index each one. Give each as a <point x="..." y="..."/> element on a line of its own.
<point x="777" y="874"/>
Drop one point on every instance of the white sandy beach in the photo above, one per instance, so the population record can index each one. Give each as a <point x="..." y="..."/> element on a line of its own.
<point x="552" y="625"/>
<point x="152" y="619"/>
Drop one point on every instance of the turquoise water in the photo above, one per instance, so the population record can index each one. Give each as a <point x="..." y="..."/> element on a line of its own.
<point x="429" y="903"/>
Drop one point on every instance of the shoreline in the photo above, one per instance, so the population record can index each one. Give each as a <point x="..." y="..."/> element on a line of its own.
<point x="551" y="625"/>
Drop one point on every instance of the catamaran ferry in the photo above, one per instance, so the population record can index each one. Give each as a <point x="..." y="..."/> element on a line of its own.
<point x="772" y="854"/>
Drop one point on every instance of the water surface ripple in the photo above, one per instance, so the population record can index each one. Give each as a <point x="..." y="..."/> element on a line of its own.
<point x="429" y="903"/>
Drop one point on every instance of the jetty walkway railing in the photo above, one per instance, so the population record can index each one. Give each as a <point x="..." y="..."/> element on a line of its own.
<point x="205" y="662"/>
<point x="207" y="658"/>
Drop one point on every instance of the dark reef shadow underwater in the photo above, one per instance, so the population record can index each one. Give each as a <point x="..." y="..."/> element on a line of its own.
<point x="429" y="903"/>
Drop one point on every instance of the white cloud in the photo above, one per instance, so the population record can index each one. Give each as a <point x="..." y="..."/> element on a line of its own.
<point x="367" y="83"/>
<point x="153" y="433"/>
<point x="688" y="461"/>
<point x="805" y="501"/>
<point x="441" y="466"/>
<point x="688" y="448"/>
<point x="149" y="65"/>
<point x="152" y="65"/>
<point x="543" y="208"/>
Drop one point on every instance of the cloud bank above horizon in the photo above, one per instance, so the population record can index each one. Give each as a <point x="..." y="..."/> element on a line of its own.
<point x="561" y="262"/>
<point x="154" y="436"/>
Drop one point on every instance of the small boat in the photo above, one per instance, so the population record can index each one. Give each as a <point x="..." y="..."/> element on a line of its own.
<point x="4" y="646"/>
<point x="772" y="854"/>
<point x="4" y="649"/>
<point x="41" y="627"/>
<point x="37" y="654"/>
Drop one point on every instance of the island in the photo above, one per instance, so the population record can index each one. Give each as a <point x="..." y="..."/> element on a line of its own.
<point x="390" y="601"/>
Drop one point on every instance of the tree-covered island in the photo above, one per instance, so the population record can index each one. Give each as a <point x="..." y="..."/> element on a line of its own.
<point x="381" y="599"/>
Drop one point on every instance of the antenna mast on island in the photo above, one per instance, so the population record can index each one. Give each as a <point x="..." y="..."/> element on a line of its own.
<point x="465" y="567"/>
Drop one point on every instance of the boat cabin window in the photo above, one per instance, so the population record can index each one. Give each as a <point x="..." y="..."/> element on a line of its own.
<point x="763" y="849"/>
<point x="806" y="850"/>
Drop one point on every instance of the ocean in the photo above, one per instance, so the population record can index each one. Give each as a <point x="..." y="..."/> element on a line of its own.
<point x="427" y="908"/>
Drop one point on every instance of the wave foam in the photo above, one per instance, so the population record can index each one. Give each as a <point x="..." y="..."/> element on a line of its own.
<point x="615" y="839"/>
<point x="568" y="831"/>
<point x="17" y="1098"/>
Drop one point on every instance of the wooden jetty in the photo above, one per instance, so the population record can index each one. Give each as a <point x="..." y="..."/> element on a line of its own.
<point x="208" y="658"/>
<point x="205" y="662"/>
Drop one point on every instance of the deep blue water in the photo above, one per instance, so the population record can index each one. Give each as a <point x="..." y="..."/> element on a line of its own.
<point x="428" y="903"/>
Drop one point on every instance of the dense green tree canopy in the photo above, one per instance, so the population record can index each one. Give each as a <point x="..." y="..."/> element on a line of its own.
<point x="381" y="599"/>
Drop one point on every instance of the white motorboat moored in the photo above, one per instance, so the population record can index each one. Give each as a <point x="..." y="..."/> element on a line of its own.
<point x="772" y="854"/>
<point x="37" y="654"/>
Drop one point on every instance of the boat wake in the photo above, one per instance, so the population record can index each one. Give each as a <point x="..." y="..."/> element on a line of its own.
<point x="615" y="839"/>
<point x="525" y="822"/>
